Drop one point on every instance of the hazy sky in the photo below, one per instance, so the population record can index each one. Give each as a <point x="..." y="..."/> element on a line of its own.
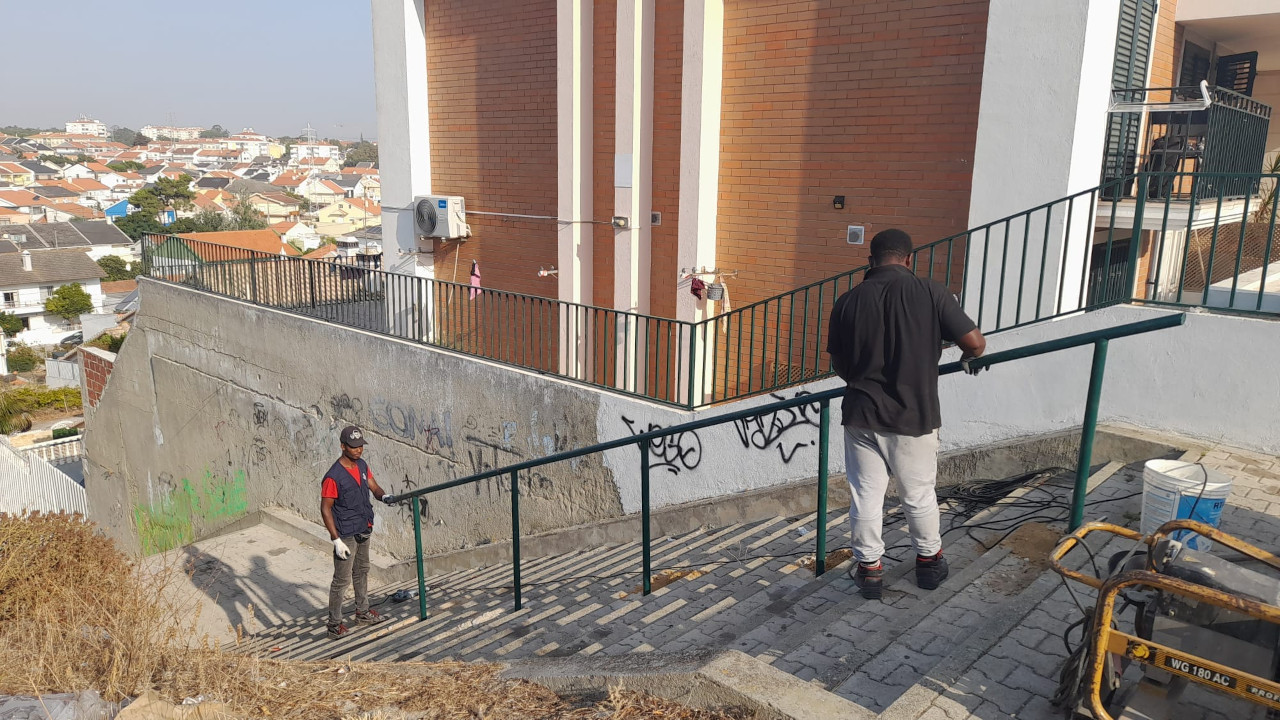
<point x="273" y="65"/>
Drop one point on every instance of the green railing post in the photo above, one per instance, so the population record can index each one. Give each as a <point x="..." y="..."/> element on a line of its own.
<point x="1135" y="242"/>
<point x="515" y="533"/>
<point x="693" y="352"/>
<point x="311" y="281"/>
<point x="646" y="551"/>
<point x="824" y="432"/>
<point x="417" y="539"/>
<point x="1087" y="432"/>
<point x="253" y="279"/>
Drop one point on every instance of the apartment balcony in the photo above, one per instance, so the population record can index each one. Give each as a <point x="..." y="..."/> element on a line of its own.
<point x="1212" y="131"/>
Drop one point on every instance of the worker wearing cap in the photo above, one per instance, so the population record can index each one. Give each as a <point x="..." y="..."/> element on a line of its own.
<point x="348" y="516"/>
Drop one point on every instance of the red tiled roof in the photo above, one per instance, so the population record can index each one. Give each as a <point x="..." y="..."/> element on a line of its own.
<point x="266" y="241"/>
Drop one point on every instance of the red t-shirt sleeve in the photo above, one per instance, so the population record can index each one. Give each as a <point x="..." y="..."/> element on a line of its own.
<point x="329" y="489"/>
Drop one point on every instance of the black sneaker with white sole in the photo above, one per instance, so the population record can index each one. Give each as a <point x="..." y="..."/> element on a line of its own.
<point x="931" y="571"/>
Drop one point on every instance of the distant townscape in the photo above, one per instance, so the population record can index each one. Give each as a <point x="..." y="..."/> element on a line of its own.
<point x="70" y="198"/>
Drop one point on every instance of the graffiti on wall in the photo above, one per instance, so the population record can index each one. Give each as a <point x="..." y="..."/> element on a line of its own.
<point x="775" y="428"/>
<point x="674" y="453"/>
<point x="170" y="518"/>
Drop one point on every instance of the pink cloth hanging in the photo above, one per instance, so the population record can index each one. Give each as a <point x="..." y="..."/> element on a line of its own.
<point x="475" y="279"/>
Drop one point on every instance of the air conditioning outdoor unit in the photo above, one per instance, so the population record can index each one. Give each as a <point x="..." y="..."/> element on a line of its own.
<point x="441" y="216"/>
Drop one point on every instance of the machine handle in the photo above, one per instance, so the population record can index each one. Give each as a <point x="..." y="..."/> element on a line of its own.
<point x="1077" y="538"/>
<point x="1217" y="536"/>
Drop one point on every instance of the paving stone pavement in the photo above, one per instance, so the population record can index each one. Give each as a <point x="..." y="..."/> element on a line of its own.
<point x="1018" y="675"/>
<point x="986" y="645"/>
<point x="252" y="579"/>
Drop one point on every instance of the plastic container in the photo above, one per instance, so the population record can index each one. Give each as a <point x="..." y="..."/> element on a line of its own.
<point x="715" y="292"/>
<point x="1172" y="489"/>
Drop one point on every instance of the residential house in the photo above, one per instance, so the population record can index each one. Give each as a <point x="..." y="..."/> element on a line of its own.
<point x="212" y="182"/>
<point x="10" y="216"/>
<point x="276" y="206"/>
<point x="57" y="139"/>
<point x="255" y="144"/>
<point x="313" y="150"/>
<point x="157" y="132"/>
<point x="24" y="201"/>
<point x="87" y="126"/>
<point x="298" y="232"/>
<point x="16" y="174"/>
<point x="321" y="192"/>
<point x="291" y="180"/>
<point x="351" y="213"/>
<point x="324" y="252"/>
<point x="97" y="239"/>
<point x="70" y="212"/>
<point x="371" y="188"/>
<point x="28" y="277"/>
<point x="40" y="170"/>
<point x="320" y="164"/>
<point x="219" y="201"/>
<point x="351" y="184"/>
<point x="55" y="191"/>
<point x="91" y="191"/>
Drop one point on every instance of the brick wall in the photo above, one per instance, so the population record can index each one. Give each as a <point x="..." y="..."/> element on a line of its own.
<point x="876" y="101"/>
<point x="604" y="77"/>
<point x="1166" y="49"/>
<point x="95" y="368"/>
<point x="668" y="68"/>
<point x="492" y="93"/>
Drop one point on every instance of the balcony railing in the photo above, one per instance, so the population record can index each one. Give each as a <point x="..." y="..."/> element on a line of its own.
<point x="1204" y="130"/>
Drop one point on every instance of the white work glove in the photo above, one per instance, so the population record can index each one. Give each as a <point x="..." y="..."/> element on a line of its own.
<point x="340" y="549"/>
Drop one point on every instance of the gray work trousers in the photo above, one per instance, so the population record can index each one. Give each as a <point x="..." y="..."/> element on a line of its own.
<point x="352" y="571"/>
<point x="870" y="459"/>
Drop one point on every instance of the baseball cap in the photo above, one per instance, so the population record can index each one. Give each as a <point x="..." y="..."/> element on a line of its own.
<point x="352" y="436"/>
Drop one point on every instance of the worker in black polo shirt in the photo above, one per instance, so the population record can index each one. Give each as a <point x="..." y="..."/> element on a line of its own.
<point x="348" y="516"/>
<point x="885" y="341"/>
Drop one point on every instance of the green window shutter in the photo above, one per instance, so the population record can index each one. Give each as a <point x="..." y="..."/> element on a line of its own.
<point x="1129" y="70"/>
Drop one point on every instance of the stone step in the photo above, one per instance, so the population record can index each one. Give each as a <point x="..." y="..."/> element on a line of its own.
<point x="600" y="593"/>
<point x="782" y="581"/>
<point x="619" y="567"/>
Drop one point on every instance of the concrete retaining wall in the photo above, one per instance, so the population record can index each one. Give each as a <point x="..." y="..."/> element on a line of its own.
<point x="217" y="409"/>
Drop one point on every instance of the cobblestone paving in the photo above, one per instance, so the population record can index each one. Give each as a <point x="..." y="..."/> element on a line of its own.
<point x="1018" y="675"/>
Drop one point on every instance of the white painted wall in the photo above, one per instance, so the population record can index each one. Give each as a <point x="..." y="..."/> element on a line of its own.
<point x="1041" y="132"/>
<point x="400" y="78"/>
<point x="1210" y="379"/>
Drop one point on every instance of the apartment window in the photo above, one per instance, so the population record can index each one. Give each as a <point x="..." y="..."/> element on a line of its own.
<point x="10" y="299"/>
<point x="45" y="292"/>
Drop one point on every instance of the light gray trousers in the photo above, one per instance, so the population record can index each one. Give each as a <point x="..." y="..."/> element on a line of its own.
<point x="871" y="458"/>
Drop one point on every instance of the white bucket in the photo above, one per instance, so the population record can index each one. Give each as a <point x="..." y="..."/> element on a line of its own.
<point x="1172" y="490"/>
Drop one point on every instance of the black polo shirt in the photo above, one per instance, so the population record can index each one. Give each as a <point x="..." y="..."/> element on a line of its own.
<point x="886" y="338"/>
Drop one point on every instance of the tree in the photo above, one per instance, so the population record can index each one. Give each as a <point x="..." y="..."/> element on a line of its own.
<point x="126" y="166"/>
<point x="12" y="416"/>
<point x="116" y="268"/>
<point x="137" y="224"/>
<point x="123" y="135"/>
<point x="11" y="324"/>
<point x="19" y="131"/>
<point x="363" y="151"/>
<point x="303" y="203"/>
<point x="140" y="139"/>
<point x="214" y="132"/>
<point x="58" y="160"/>
<point x="245" y="217"/>
<point x="166" y="192"/>
<point x="69" y="302"/>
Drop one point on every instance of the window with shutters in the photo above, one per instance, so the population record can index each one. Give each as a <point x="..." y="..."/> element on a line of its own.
<point x="1196" y="62"/>
<point x="1236" y="72"/>
<point x="1132" y="58"/>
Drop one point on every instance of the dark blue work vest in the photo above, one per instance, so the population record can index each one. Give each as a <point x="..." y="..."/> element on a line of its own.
<point x="352" y="511"/>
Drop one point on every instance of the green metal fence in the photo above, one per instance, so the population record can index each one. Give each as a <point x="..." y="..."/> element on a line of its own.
<point x="1203" y="245"/>
<point x="1098" y="338"/>
<point x="1181" y="239"/>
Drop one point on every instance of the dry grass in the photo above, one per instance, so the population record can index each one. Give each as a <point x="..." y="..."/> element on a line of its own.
<point x="76" y="614"/>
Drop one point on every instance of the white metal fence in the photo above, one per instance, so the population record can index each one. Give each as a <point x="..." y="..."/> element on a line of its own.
<point x="29" y="483"/>
<point x="58" y="452"/>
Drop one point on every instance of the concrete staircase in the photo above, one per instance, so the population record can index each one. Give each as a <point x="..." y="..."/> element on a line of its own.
<point x="749" y="587"/>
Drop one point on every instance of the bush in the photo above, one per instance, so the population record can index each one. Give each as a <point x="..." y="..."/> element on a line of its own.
<point x="110" y="343"/>
<point x="59" y="433"/>
<point x="30" y="398"/>
<point x="11" y="324"/>
<point x="23" y="358"/>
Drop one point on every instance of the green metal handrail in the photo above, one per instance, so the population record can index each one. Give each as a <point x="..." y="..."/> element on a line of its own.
<point x="1098" y="338"/>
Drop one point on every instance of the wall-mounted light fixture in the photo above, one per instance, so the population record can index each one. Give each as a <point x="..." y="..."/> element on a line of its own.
<point x="838" y="202"/>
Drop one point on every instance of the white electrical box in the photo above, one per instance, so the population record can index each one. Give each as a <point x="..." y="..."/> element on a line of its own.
<point x="441" y="216"/>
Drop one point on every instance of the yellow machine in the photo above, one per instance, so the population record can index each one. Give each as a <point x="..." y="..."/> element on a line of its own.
<point x="1198" y="618"/>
